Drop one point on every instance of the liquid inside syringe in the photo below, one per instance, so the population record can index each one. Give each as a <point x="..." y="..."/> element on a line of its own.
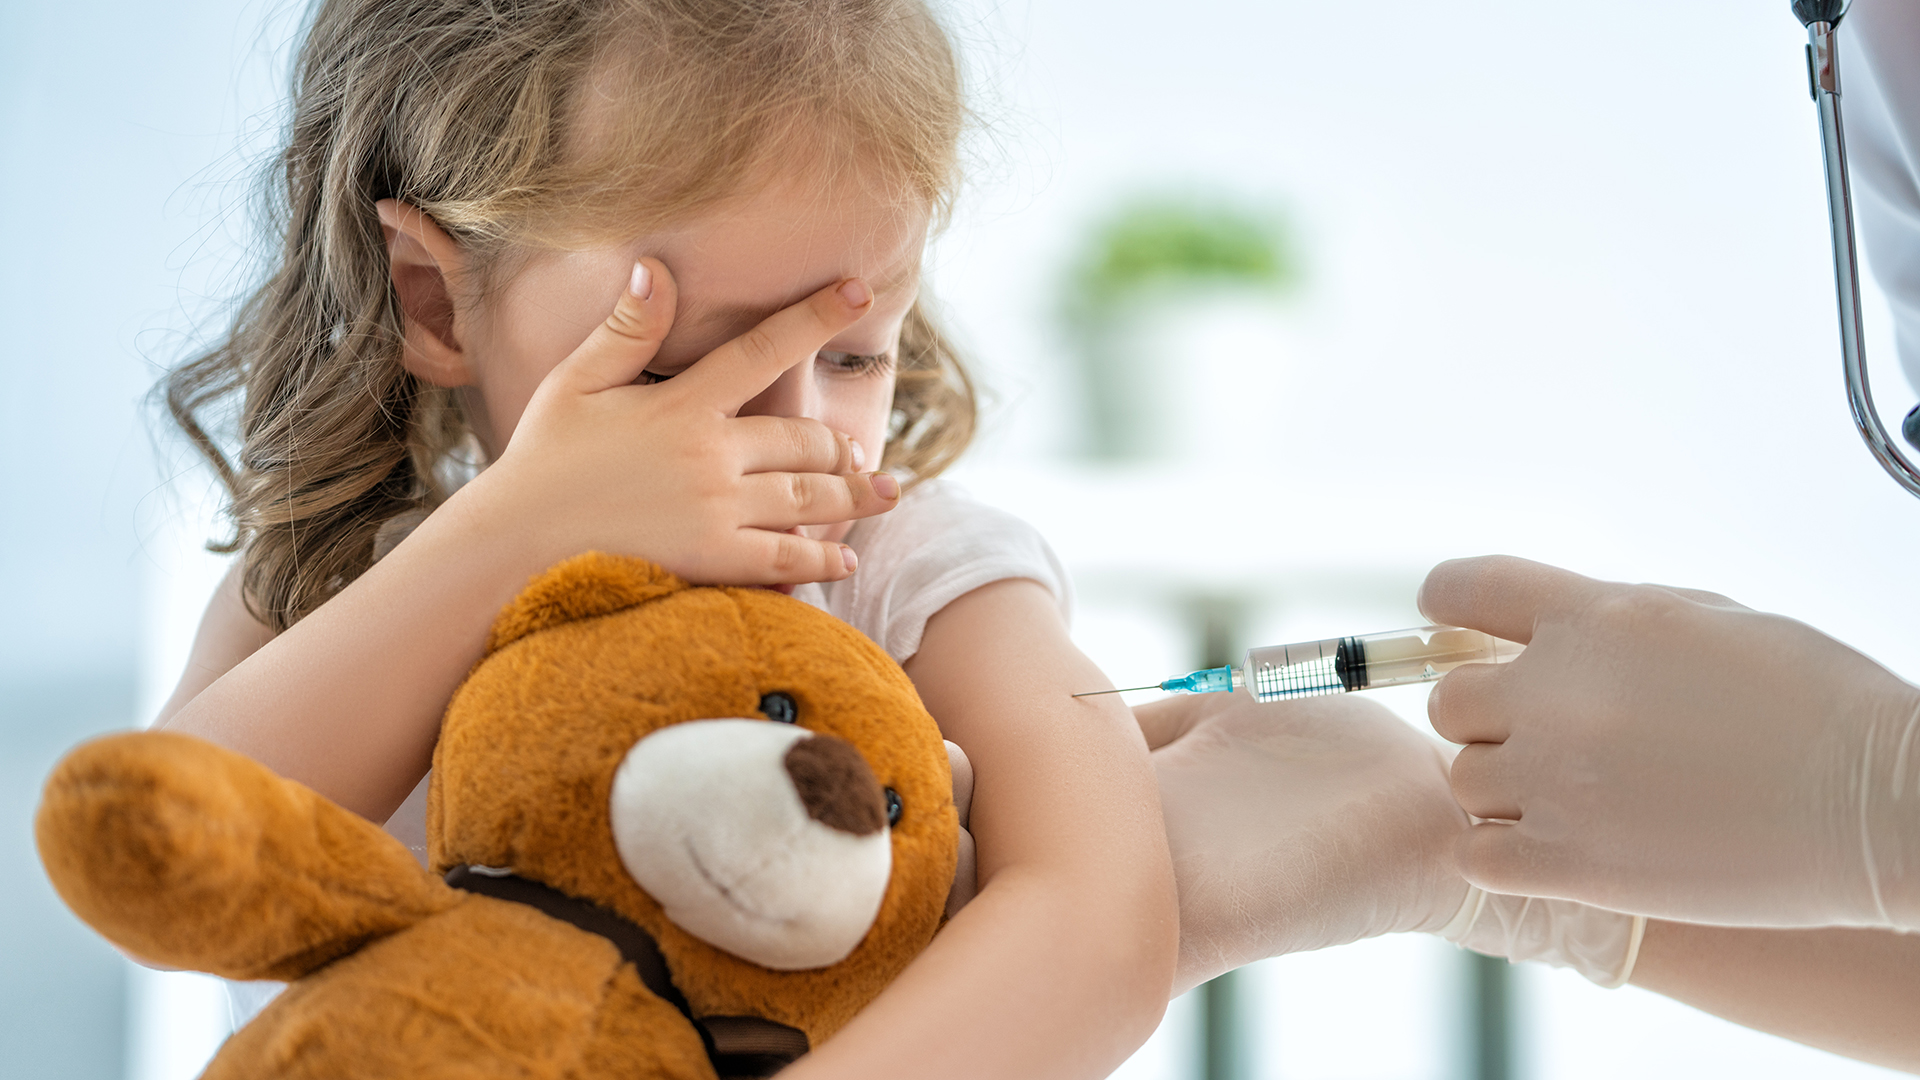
<point x="1345" y="664"/>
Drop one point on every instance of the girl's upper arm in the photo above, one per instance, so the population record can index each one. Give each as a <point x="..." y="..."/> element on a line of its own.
<point x="228" y="634"/>
<point x="1056" y="777"/>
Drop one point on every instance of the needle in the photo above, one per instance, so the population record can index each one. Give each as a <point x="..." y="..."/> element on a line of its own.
<point x="1122" y="690"/>
<point x="1204" y="681"/>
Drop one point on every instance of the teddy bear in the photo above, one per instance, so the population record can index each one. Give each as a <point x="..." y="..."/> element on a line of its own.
<point x="674" y="832"/>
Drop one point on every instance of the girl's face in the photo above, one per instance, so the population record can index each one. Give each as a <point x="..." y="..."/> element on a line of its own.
<point x="734" y="267"/>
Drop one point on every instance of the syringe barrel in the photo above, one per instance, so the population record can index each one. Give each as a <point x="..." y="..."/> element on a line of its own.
<point x="1368" y="661"/>
<point x="1303" y="669"/>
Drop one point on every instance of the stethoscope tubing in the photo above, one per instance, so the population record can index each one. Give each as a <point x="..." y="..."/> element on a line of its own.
<point x="1824" y="74"/>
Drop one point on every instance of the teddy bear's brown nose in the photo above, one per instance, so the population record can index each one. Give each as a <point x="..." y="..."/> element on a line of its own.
<point x="836" y="786"/>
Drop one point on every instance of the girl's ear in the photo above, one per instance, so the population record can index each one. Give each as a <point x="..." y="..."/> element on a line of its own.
<point x="426" y="265"/>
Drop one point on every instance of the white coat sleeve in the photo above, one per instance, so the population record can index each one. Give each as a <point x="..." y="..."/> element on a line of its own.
<point x="1880" y="105"/>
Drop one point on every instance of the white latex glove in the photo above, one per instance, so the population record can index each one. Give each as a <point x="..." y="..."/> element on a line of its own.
<point x="1602" y="945"/>
<point x="1299" y="825"/>
<point x="1674" y="754"/>
<point x="1306" y="824"/>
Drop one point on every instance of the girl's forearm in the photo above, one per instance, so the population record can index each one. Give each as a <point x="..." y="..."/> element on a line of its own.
<point x="348" y="700"/>
<point x="1025" y="981"/>
<point x="1854" y="992"/>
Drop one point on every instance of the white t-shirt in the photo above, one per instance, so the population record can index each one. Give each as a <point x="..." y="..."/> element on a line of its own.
<point x="938" y="545"/>
<point x="1880" y="106"/>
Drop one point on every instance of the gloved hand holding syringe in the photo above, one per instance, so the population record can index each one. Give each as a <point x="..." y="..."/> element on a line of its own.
<point x="1343" y="664"/>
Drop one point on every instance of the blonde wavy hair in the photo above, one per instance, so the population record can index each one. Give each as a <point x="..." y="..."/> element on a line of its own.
<point x="472" y="110"/>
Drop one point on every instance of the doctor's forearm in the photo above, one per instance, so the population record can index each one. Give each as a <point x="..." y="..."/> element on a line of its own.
<point x="1851" y="991"/>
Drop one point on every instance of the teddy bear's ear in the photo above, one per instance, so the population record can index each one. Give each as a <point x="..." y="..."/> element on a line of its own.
<point x="583" y="587"/>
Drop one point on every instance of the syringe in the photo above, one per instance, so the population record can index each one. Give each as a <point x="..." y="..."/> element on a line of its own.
<point x="1343" y="664"/>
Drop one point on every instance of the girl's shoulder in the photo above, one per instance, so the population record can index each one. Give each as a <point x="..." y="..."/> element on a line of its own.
<point x="939" y="544"/>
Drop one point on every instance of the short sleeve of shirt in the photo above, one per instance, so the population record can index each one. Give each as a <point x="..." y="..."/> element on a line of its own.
<point x="938" y="545"/>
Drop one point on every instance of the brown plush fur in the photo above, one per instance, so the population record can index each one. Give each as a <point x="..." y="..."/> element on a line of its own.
<point x="192" y="856"/>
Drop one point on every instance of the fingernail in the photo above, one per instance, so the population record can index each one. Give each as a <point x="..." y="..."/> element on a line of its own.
<point x="849" y="558"/>
<point x="641" y="284"/>
<point x="886" y="486"/>
<point x="856" y="293"/>
<point x="859" y="455"/>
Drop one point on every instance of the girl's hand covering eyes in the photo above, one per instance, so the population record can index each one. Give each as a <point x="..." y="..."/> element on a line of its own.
<point x="667" y="472"/>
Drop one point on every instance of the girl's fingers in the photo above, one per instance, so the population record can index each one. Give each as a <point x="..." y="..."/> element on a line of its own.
<point x="781" y="558"/>
<point x="738" y="371"/>
<point x="797" y="444"/>
<point x="778" y="500"/>
<point x="961" y="768"/>
<point x="619" y="349"/>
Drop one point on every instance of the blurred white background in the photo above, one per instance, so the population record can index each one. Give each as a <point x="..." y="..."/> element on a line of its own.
<point x="1566" y="294"/>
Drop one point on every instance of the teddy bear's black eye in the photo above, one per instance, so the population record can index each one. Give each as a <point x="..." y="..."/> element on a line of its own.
<point x="894" y="807"/>
<point x="780" y="708"/>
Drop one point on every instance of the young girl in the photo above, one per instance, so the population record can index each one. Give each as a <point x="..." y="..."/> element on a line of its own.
<point x="746" y="185"/>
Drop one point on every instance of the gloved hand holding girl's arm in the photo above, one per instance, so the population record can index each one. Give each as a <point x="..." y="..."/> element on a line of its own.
<point x="1306" y="824"/>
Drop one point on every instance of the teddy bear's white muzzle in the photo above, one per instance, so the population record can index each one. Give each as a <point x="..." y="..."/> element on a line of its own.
<point x="752" y="842"/>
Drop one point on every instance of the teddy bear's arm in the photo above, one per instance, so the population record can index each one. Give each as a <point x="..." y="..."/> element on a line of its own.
<point x="192" y="856"/>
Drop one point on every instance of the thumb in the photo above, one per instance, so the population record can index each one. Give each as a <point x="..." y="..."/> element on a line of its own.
<point x="619" y="349"/>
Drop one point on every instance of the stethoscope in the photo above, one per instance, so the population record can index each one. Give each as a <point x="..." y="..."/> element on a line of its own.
<point x="1822" y="18"/>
